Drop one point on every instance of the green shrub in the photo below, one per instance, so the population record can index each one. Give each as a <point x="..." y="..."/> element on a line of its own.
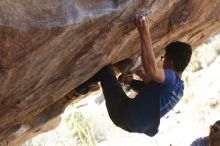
<point x="81" y="130"/>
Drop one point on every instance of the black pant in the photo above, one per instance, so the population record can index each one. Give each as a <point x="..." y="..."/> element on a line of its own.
<point x="117" y="101"/>
<point x="114" y="95"/>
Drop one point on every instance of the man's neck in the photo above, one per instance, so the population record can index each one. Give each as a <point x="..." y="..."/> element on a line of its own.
<point x="178" y="73"/>
<point x="214" y="143"/>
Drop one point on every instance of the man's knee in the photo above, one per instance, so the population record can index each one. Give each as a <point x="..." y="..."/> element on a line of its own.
<point x="105" y="71"/>
<point x="153" y="130"/>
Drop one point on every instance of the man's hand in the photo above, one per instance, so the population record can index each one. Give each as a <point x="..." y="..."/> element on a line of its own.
<point x="142" y="24"/>
<point x="139" y="73"/>
<point x="152" y="72"/>
<point x="142" y="75"/>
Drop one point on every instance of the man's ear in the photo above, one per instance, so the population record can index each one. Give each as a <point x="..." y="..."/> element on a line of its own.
<point x="170" y="62"/>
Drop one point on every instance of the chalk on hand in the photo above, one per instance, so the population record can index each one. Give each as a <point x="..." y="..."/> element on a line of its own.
<point x="143" y="18"/>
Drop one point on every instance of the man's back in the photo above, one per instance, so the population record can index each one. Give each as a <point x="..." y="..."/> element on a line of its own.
<point x="154" y="98"/>
<point x="172" y="92"/>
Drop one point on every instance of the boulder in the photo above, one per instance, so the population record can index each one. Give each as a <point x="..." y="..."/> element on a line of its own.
<point x="47" y="48"/>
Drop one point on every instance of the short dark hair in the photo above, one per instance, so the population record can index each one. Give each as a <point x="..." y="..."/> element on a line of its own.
<point x="180" y="53"/>
<point x="217" y="122"/>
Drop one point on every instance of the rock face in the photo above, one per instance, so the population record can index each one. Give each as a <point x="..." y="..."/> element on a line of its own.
<point x="47" y="48"/>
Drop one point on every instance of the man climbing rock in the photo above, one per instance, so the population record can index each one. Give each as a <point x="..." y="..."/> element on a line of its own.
<point x="158" y="93"/>
<point x="213" y="139"/>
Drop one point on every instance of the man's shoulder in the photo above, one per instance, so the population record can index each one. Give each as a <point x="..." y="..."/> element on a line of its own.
<point x="169" y="72"/>
<point x="171" y="77"/>
<point x="202" y="141"/>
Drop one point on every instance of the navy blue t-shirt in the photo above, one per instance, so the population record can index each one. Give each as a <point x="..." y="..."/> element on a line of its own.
<point x="154" y="100"/>
<point x="172" y="92"/>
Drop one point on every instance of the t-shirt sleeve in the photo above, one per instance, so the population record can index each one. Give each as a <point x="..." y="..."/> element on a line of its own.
<point x="169" y="77"/>
<point x="200" y="142"/>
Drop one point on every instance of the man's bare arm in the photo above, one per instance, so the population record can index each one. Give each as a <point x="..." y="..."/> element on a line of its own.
<point x="147" y="55"/>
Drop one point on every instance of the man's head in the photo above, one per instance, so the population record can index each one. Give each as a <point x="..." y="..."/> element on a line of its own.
<point x="214" y="135"/>
<point x="177" y="56"/>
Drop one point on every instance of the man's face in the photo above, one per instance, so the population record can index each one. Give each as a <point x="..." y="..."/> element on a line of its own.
<point x="214" y="134"/>
<point x="166" y="62"/>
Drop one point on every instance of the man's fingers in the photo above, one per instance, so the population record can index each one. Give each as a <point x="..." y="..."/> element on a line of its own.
<point x="138" y="72"/>
<point x="145" y="23"/>
<point x="136" y="22"/>
<point x="143" y="19"/>
<point x="147" y="20"/>
<point x="140" y="22"/>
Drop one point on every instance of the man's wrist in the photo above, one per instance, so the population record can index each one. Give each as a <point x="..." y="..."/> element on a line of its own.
<point x="145" y="35"/>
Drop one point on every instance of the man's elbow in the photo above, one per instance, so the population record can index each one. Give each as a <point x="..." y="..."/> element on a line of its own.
<point x="156" y="75"/>
<point x="151" y="72"/>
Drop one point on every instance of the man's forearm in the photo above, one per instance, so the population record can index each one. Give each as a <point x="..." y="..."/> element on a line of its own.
<point x="147" y="54"/>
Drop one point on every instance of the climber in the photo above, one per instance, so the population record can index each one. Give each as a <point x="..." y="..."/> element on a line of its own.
<point x="158" y="93"/>
<point x="213" y="139"/>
